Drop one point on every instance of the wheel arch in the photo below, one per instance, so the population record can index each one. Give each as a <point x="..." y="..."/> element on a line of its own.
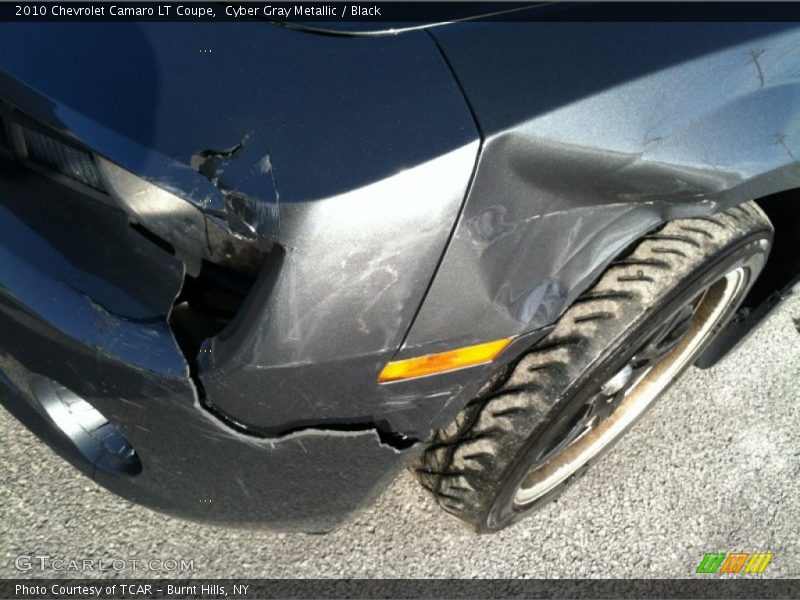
<point x="571" y="173"/>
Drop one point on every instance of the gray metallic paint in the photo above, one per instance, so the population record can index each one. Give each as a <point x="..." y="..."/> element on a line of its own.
<point x="591" y="135"/>
<point x="594" y="134"/>
<point x="351" y="279"/>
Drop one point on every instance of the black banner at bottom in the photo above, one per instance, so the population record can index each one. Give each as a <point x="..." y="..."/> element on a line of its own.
<point x="701" y="587"/>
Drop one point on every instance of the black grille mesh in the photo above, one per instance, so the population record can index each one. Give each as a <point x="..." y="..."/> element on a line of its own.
<point x="64" y="159"/>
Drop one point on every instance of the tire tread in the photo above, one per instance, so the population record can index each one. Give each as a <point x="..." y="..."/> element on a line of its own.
<point x="465" y="461"/>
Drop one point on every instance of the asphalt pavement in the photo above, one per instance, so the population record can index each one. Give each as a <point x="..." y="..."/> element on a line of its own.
<point x="715" y="466"/>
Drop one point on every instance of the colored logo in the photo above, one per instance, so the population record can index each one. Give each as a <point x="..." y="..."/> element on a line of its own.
<point x="734" y="562"/>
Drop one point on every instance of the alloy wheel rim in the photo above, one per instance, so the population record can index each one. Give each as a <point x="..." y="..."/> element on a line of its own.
<point x="625" y="396"/>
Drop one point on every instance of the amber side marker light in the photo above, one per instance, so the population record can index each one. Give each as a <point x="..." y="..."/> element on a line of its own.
<point x="441" y="362"/>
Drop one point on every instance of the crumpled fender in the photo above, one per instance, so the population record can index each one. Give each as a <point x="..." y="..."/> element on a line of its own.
<point x="350" y="155"/>
<point x="594" y="134"/>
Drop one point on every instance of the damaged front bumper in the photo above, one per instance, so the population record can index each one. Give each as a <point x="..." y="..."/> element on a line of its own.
<point x="75" y="325"/>
<point x="200" y="325"/>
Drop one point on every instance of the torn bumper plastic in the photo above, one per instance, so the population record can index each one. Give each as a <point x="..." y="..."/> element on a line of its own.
<point x="201" y="310"/>
<point x="71" y="302"/>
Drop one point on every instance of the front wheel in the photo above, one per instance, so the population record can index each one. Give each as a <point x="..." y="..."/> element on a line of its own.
<point x="611" y="354"/>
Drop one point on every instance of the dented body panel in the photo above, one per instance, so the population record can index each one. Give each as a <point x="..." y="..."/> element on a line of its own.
<point x="375" y="198"/>
<point x="595" y="134"/>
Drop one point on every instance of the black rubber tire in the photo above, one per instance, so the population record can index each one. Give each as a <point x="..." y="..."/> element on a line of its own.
<point x="474" y="465"/>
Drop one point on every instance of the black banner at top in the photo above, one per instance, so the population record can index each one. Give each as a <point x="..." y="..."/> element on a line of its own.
<point x="402" y="13"/>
